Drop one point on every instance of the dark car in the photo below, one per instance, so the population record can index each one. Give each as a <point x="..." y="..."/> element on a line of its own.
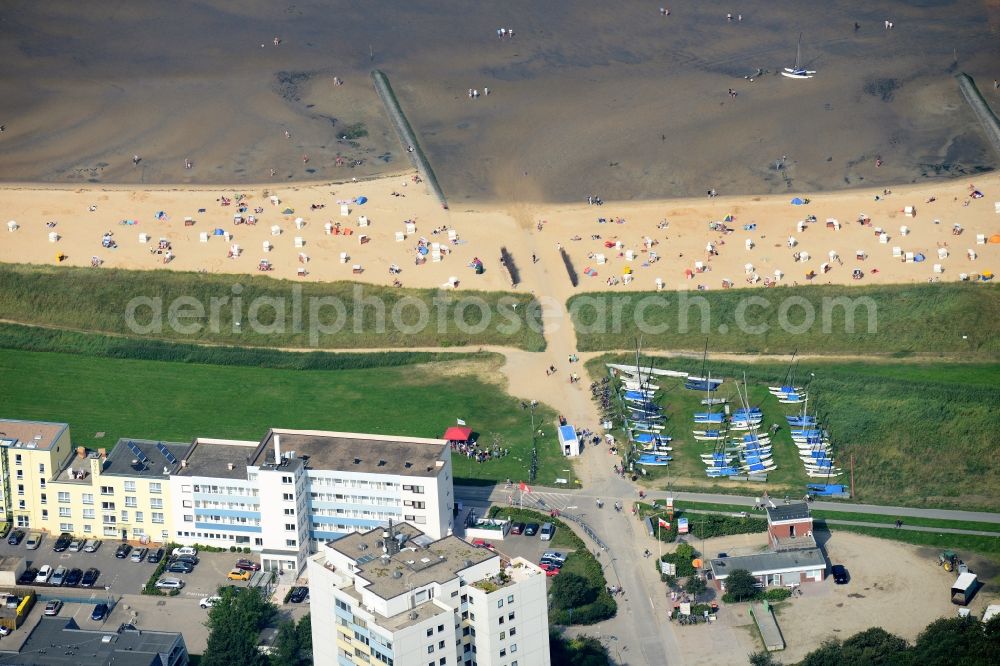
<point x="73" y="577"/>
<point x="531" y="529"/>
<point x="517" y="528"/>
<point x="90" y="577"/>
<point x="548" y="561"/>
<point x="840" y="575"/>
<point x="299" y="595"/>
<point x="28" y="577"/>
<point x="122" y="551"/>
<point x="180" y="567"/>
<point x="189" y="559"/>
<point x="247" y="565"/>
<point x="155" y="556"/>
<point x="62" y="543"/>
<point x="15" y="537"/>
<point x="99" y="613"/>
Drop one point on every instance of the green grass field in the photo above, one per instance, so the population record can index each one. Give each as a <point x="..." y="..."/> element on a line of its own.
<point x="178" y="401"/>
<point x="908" y="319"/>
<point x="270" y="312"/>
<point x="922" y="434"/>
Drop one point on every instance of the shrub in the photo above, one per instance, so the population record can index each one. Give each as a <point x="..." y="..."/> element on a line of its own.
<point x="682" y="557"/>
<point x="150" y="586"/>
<point x="777" y="594"/>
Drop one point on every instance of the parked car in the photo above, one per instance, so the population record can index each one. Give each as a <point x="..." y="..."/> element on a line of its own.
<point x="531" y="529"/>
<point x="58" y="576"/>
<point x="517" y="528"/>
<point x="208" y="602"/>
<point x="554" y="555"/>
<point x="239" y="574"/>
<point x="15" y="537"/>
<point x="180" y="567"/>
<point x="76" y="545"/>
<point x="155" y="556"/>
<point x="550" y="563"/>
<point x="33" y="541"/>
<point x="99" y="613"/>
<point x="73" y="577"/>
<point x="169" y="583"/>
<point x="28" y="577"/>
<point x="5" y="630"/>
<point x="547" y="532"/>
<point x="299" y="594"/>
<point x="122" y="551"/>
<point x="190" y="559"/>
<point x="43" y="575"/>
<point x="184" y="550"/>
<point x="840" y="575"/>
<point x="63" y="542"/>
<point x="139" y="554"/>
<point x="549" y="569"/>
<point x="53" y="607"/>
<point x="90" y="577"/>
<point x="247" y="565"/>
<point x="92" y="545"/>
<point x="482" y="543"/>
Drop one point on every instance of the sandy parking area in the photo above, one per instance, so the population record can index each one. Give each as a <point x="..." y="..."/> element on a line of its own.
<point x="893" y="585"/>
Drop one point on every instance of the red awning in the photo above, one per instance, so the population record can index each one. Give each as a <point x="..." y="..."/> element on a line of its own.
<point x="458" y="434"/>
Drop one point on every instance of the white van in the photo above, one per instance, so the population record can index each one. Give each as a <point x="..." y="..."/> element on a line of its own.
<point x="547" y="531"/>
<point x="43" y="575"/>
<point x="184" y="550"/>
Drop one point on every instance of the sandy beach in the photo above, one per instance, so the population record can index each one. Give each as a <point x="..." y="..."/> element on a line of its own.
<point x="614" y="246"/>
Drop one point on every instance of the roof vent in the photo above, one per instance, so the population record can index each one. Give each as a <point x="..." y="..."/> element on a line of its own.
<point x="362" y="546"/>
<point x="468" y="563"/>
<point x="357" y="461"/>
<point x="229" y="466"/>
<point x="397" y="574"/>
<point x="414" y="615"/>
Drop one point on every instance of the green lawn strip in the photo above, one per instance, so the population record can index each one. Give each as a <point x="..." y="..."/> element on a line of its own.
<point x="918" y="318"/>
<point x="351" y="316"/>
<point x="178" y="401"/>
<point x="908" y="520"/>
<point x="985" y="545"/>
<point x="916" y="440"/>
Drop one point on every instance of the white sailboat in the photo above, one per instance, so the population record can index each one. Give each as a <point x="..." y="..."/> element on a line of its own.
<point x="797" y="71"/>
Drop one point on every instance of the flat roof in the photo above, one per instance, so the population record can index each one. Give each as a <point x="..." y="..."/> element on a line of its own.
<point x="153" y="459"/>
<point x="212" y="458"/>
<point x="355" y="452"/>
<point x="769" y="562"/>
<point x="56" y="641"/>
<point x="419" y="562"/>
<point x="795" y="511"/>
<point x="30" y="434"/>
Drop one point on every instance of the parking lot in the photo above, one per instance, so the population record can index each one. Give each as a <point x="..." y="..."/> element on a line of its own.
<point x="528" y="547"/>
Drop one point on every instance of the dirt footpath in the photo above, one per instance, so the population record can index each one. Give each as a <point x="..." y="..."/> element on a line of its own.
<point x="893" y="585"/>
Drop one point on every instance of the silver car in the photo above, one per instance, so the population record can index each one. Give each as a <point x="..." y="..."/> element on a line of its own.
<point x="169" y="583"/>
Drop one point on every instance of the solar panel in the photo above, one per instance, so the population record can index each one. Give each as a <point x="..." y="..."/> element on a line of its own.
<point x="166" y="453"/>
<point x="137" y="452"/>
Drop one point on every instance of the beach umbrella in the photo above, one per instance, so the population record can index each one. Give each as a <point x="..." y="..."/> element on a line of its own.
<point x="918" y="257"/>
<point x="995" y="238"/>
<point x="218" y="232"/>
<point x="361" y="200"/>
<point x="797" y="201"/>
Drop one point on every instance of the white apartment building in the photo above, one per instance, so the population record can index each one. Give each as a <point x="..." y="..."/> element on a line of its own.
<point x="396" y="596"/>
<point x="296" y="489"/>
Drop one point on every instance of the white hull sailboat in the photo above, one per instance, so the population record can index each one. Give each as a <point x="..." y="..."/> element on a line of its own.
<point x="797" y="71"/>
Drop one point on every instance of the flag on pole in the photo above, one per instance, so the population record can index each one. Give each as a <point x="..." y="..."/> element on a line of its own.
<point x="523" y="487"/>
<point x="663" y="523"/>
<point x="460" y="421"/>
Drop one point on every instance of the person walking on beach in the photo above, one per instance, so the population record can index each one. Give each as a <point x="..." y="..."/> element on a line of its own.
<point x="135" y="160"/>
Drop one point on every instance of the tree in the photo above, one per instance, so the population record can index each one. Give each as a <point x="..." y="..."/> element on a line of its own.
<point x="570" y="590"/>
<point x="957" y="640"/>
<point x="695" y="585"/>
<point x="234" y="625"/>
<point x="579" y="651"/>
<point x="762" y="658"/>
<point x="286" y="645"/>
<point x="740" y="584"/>
<point x="304" y="629"/>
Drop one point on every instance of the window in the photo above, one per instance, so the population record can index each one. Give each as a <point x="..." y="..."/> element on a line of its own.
<point x="288" y="497"/>
<point x="189" y="518"/>
<point x="63" y="497"/>
<point x="109" y="520"/>
<point x="289" y="527"/>
<point x="440" y="645"/>
<point x="20" y="489"/>
<point x="107" y="506"/>
<point x="430" y="631"/>
<point x="44" y="498"/>
<point x="440" y="627"/>
<point x="17" y="459"/>
<point x="510" y="615"/>
<point x="64" y="512"/>
<point x="87" y="529"/>
<point x="501" y="620"/>
<point x="187" y="504"/>
<point x="41" y="470"/>
<point x="286" y="479"/>
<point x="45" y="514"/>
<point x="155" y="487"/>
<point x="65" y="527"/>
<point x="503" y="652"/>
<point x="130" y="486"/>
<point x="155" y="503"/>
<point x="510" y="598"/>
<point x="139" y="518"/>
<point x="157" y="517"/>
<point x="88" y="514"/>
<point x="291" y="543"/>
<point x="41" y="483"/>
<point x="513" y="648"/>
<point x="499" y="603"/>
<point x="430" y="649"/>
<point x="107" y="490"/>
<point x="88" y="498"/>
<point x="110" y="531"/>
<point x="513" y="630"/>
<point x="131" y="501"/>
<point x="503" y="635"/>
<point x="21" y="505"/>
<point x="289" y="512"/>
<point x="22" y="521"/>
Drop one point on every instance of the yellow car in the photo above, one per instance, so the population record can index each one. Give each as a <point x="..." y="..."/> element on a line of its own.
<point x="239" y="574"/>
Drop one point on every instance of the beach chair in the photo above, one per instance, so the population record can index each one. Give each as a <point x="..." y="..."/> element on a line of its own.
<point x="144" y="238"/>
<point x="792" y="241"/>
<point x="980" y="239"/>
<point x="301" y="272"/>
<point x="629" y="255"/>
<point x="363" y="221"/>
<point x="860" y="255"/>
<point x="453" y="282"/>
<point x="299" y="223"/>
<point x="778" y="275"/>
<point x="345" y="210"/>
<point x="226" y="236"/>
<point x="600" y="259"/>
<point x="53" y="237"/>
<point x="363" y="238"/>
<point x="908" y="258"/>
<point x="266" y="246"/>
<point x="938" y="268"/>
<point x="972" y="255"/>
<point x="942" y="253"/>
<point x="627" y="278"/>
<point x="659" y="284"/>
<point x="904" y="230"/>
<point x="801" y="226"/>
<point x="803" y="256"/>
<point x="833" y="255"/>
<point x="275" y="230"/>
<point x="343" y="257"/>
<point x="235" y="250"/>
<point x="274" y="200"/>
<point x="400" y="237"/>
<point x="356" y="269"/>
<point x="300" y="241"/>
<point x="748" y="268"/>
<point x="411" y="228"/>
<point x="897" y="252"/>
<point x="12" y="226"/>
<point x="452" y="235"/>
<point x="699" y="267"/>
<point x="883" y="238"/>
<point x="749" y="244"/>
<point x="909" y="211"/>
<point x="328" y="228"/>
<point x="435" y="255"/>
<point x="824" y="268"/>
